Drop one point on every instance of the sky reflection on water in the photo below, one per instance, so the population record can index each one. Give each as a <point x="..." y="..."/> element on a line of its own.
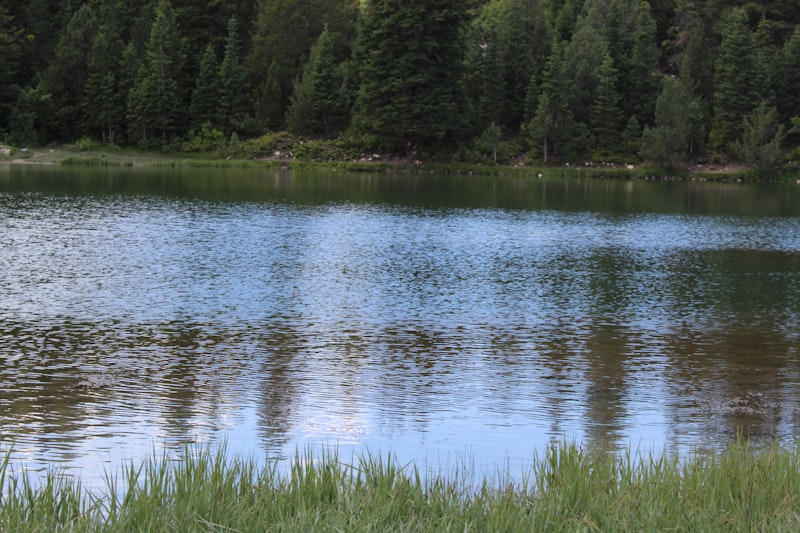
<point x="134" y="322"/>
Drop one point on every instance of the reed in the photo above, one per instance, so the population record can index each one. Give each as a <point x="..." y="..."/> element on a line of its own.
<point x="567" y="488"/>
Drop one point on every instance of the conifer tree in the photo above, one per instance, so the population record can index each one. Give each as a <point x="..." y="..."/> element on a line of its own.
<point x="552" y="126"/>
<point x="233" y="82"/>
<point x="606" y="114"/>
<point x="103" y="104"/>
<point x="269" y="100"/>
<point x="205" y="104"/>
<point x="667" y="142"/>
<point x="155" y="105"/>
<point x="67" y="74"/>
<point x="761" y="143"/>
<point x="282" y="35"/>
<point x="787" y="78"/>
<point x="316" y="101"/>
<point x="409" y="54"/>
<point x="10" y="51"/>
<point x="736" y="80"/>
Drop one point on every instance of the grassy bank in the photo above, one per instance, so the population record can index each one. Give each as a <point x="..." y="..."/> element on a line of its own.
<point x="567" y="489"/>
<point x="281" y="151"/>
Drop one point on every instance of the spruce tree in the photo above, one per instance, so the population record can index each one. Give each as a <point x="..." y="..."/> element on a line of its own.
<point x="269" y="100"/>
<point x="667" y="142"/>
<point x="316" y="101"/>
<point x="104" y="107"/>
<point x="282" y="35"/>
<point x="10" y="50"/>
<point x="410" y="58"/>
<point x="553" y="125"/>
<point x="606" y="114"/>
<point x="205" y="104"/>
<point x="736" y="80"/>
<point x="155" y="105"/>
<point x="233" y="82"/>
<point x="787" y="78"/>
<point x="761" y="143"/>
<point x="67" y="74"/>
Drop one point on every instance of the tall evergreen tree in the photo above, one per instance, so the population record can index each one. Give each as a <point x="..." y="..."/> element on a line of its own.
<point x="667" y="142"/>
<point x="761" y="143"/>
<point x="103" y="104"/>
<point x="67" y="74"/>
<point x="10" y="50"/>
<point x="155" y="105"/>
<point x="205" y="104"/>
<point x="786" y="73"/>
<point x="410" y="63"/>
<point x="282" y="35"/>
<point x="269" y="99"/>
<point x="553" y="125"/>
<point x="606" y="114"/>
<point x="317" y="101"/>
<point x="737" y="80"/>
<point x="233" y="81"/>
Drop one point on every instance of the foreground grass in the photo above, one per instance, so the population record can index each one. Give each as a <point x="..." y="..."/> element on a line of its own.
<point x="566" y="489"/>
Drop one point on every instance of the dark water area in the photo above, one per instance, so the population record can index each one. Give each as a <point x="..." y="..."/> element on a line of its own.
<point x="428" y="316"/>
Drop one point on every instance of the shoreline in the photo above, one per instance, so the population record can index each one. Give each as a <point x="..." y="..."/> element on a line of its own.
<point x="377" y="163"/>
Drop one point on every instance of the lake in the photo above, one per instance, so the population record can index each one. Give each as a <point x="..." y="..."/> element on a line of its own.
<point x="433" y="317"/>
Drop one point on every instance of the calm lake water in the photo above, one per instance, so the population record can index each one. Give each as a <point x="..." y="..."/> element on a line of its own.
<point x="430" y="317"/>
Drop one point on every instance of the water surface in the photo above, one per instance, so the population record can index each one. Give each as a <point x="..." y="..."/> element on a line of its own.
<point x="427" y="316"/>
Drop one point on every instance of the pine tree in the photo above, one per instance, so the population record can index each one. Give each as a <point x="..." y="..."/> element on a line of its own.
<point x="668" y="141"/>
<point x="606" y="114"/>
<point x="269" y="101"/>
<point x="282" y="36"/>
<point x="761" y="144"/>
<point x="155" y="105"/>
<point x="410" y="64"/>
<point x="736" y="80"/>
<point x="67" y="74"/>
<point x="10" y="51"/>
<point x="103" y="105"/>
<point x="787" y="78"/>
<point x="316" y="101"/>
<point x="205" y="105"/>
<point x="553" y="125"/>
<point x="233" y="82"/>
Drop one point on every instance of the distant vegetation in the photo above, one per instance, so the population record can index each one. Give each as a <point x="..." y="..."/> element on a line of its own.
<point x="537" y="82"/>
<point x="565" y="489"/>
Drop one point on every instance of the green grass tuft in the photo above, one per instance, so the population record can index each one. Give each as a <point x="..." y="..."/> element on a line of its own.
<point x="567" y="488"/>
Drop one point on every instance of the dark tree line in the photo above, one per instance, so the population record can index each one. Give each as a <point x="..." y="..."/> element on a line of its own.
<point x="665" y="80"/>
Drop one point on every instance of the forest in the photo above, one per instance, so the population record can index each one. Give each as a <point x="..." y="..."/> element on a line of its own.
<point x="542" y="81"/>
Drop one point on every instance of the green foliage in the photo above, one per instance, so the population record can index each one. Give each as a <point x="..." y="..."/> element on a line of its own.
<point x="273" y="144"/>
<point x="786" y="76"/>
<point x="737" y="80"/>
<point x="317" y="104"/>
<point x="409" y="55"/>
<point x="10" y="52"/>
<point x="103" y="106"/>
<point x="552" y="127"/>
<point x="668" y="141"/>
<point x="68" y="72"/>
<point x="204" y="107"/>
<point x="232" y="82"/>
<point x="155" y="103"/>
<point x="31" y="116"/>
<point x="761" y="143"/>
<point x="419" y="75"/>
<point x="606" y="114"/>
<point x="283" y="34"/>
<point x="207" y="140"/>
